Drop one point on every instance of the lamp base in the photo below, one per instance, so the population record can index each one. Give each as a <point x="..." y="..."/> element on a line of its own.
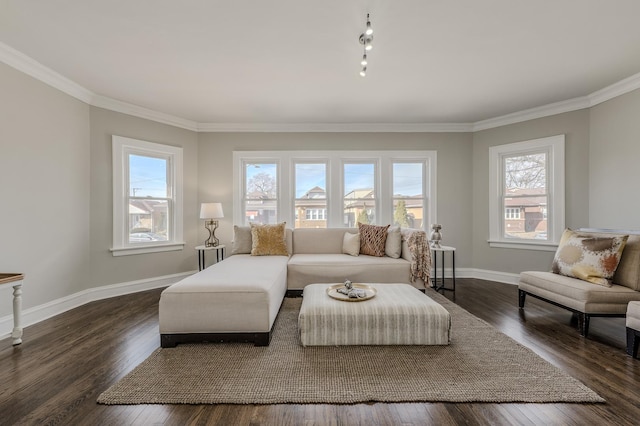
<point x="211" y="226"/>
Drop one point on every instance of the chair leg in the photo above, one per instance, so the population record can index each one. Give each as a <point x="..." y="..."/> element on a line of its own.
<point x="633" y="341"/>
<point x="583" y="324"/>
<point x="521" y="297"/>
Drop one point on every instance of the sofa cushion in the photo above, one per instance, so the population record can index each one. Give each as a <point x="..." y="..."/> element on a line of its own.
<point x="241" y="240"/>
<point x="304" y="269"/>
<point x="351" y="244"/>
<point x="372" y="239"/>
<point x="577" y="294"/>
<point x="393" y="245"/>
<point x="268" y="240"/>
<point x="588" y="257"/>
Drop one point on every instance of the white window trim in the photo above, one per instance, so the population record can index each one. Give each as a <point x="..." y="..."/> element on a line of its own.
<point x="121" y="148"/>
<point x="335" y="159"/>
<point x="554" y="145"/>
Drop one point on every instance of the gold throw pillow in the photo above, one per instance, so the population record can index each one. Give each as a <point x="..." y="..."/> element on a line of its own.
<point x="268" y="240"/>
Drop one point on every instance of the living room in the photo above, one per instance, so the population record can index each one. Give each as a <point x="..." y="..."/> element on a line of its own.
<point x="56" y="147"/>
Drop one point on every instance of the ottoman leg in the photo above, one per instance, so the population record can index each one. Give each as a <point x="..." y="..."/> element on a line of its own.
<point x="633" y="341"/>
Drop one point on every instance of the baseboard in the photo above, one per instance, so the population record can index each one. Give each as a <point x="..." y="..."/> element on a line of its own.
<point x="55" y="307"/>
<point x="483" y="274"/>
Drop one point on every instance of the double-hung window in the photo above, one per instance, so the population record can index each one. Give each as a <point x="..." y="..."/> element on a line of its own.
<point x="527" y="194"/>
<point x="147" y="197"/>
<point x="260" y="192"/>
<point x="359" y="193"/>
<point x="320" y="189"/>
<point x="409" y="183"/>
<point x="310" y="201"/>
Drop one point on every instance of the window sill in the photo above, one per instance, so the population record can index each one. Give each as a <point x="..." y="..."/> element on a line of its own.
<point x="524" y="245"/>
<point x="127" y="251"/>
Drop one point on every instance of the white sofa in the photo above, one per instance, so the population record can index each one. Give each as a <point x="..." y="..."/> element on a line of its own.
<point x="239" y="298"/>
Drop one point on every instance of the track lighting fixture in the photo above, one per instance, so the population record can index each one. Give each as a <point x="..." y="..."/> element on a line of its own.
<point x="366" y="38"/>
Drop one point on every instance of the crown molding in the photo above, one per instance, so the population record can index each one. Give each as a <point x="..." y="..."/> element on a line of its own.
<point x="619" y="88"/>
<point x="31" y="67"/>
<point x="138" y="111"/>
<point x="35" y="69"/>
<point x="533" y="113"/>
<point x="336" y="127"/>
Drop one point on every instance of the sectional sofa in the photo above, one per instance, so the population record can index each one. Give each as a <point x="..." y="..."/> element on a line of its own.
<point x="238" y="299"/>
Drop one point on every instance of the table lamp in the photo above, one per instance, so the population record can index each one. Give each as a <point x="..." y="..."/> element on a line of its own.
<point x="210" y="212"/>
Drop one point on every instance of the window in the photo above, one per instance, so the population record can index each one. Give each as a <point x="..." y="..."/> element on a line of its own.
<point x="359" y="194"/>
<point x="408" y="194"/>
<point x="310" y="194"/>
<point x="316" y="214"/>
<point x="147" y="197"/>
<point x="512" y="213"/>
<point x="527" y="184"/>
<point x="319" y="189"/>
<point x="260" y="192"/>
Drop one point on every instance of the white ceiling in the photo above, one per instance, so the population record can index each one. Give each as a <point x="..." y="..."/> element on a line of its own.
<point x="297" y="61"/>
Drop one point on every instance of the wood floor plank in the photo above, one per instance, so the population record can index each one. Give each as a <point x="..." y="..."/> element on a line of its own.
<point x="65" y="362"/>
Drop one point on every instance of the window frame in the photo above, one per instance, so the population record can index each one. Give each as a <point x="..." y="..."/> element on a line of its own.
<point x="553" y="146"/>
<point x="335" y="160"/>
<point x="122" y="147"/>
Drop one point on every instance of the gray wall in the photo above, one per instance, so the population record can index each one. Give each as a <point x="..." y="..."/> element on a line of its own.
<point x="44" y="189"/>
<point x="55" y="170"/>
<point x="614" y="174"/>
<point x="105" y="268"/>
<point x="215" y="165"/>
<point x="575" y="127"/>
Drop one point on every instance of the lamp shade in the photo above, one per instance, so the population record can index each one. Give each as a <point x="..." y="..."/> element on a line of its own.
<point x="211" y="211"/>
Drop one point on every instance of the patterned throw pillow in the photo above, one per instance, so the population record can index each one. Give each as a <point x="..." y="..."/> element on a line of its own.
<point x="268" y="240"/>
<point x="587" y="257"/>
<point x="372" y="239"/>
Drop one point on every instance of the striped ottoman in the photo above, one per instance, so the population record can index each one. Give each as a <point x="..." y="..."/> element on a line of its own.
<point x="399" y="314"/>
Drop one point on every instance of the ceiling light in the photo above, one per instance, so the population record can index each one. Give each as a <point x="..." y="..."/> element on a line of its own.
<point x="365" y="39"/>
<point x="369" y="30"/>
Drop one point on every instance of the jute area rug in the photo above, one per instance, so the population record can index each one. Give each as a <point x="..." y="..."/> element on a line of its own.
<point x="480" y="365"/>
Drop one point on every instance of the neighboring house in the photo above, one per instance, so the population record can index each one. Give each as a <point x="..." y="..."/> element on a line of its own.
<point x="148" y="216"/>
<point x="526" y="216"/>
<point x="311" y="209"/>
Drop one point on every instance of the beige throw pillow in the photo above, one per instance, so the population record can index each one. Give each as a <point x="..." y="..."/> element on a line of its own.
<point x="393" y="245"/>
<point x="268" y="240"/>
<point x="241" y="240"/>
<point x="372" y="239"/>
<point x="351" y="244"/>
<point x="590" y="258"/>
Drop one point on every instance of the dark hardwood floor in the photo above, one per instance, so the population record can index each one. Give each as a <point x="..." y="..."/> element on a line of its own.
<point x="55" y="376"/>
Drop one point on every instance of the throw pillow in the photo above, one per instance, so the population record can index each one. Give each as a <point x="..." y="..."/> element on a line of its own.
<point x="268" y="240"/>
<point x="241" y="240"/>
<point x="351" y="244"/>
<point x="393" y="246"/>
<point x="372" y="239"/>
<point x="587" y="257"/>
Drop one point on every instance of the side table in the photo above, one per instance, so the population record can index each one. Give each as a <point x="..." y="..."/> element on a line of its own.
<point x="442" y="250"/>
<point x="219" y="249"/>
<point x="15" y="281"/>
